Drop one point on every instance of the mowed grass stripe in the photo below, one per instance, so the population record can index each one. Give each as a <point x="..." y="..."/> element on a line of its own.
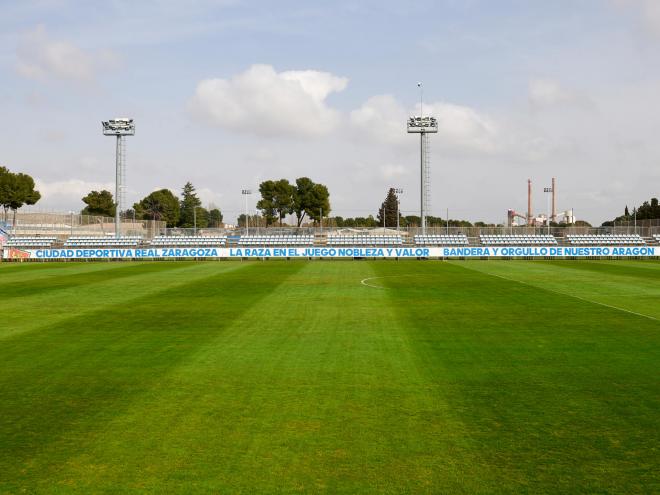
<point x="312" y="389"/>
<point x="13" y="272"/>
<point x="281" y="377"/>
<point x="109" y="284"/>
<point x="629" y="285"/>
<point x="561" y="395"/>
<point x="76" y="278"/>
<point x="63" y="384"/>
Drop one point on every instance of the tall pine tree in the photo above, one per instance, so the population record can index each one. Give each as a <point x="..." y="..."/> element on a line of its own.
<point x="190" y="202"/>
<point x="388" y="210"/>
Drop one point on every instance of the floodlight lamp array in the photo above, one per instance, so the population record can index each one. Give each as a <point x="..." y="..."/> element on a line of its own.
<point x="422" y="124"/>
<point x="118" y="127"/>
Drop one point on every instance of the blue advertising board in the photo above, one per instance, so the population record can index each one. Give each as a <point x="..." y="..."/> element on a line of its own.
<point x="332" y="252"/>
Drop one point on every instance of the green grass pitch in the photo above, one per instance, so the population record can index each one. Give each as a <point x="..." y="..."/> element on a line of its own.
<point x="330" y="376"/>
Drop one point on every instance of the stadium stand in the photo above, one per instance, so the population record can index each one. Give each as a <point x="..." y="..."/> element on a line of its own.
<point x="441" y="240"/>
<point x="364" y="240"/>
<point x="604" y="239"/>
<point x="657" y="237"/>
<point x="276" y="240"/>
<point x="181" y="240"/>
<point x="31" y="242"/>
<point x="517" y="240"/>
<point x="89" y="241"/>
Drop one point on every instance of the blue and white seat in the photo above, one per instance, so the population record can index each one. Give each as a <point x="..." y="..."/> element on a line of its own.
<point x="192" y="240"/>
<point x="441" y="240"/>
<point x="276" y="240"/>
<point x="517" y="240"/>
<point x="31" y="241"/>
<point x="604" y="239"/>
<point x="92" y="241"/>
<point x="364" y="240"/>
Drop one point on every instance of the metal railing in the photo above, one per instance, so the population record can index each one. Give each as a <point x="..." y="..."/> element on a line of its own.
<point x="64" y="225"/>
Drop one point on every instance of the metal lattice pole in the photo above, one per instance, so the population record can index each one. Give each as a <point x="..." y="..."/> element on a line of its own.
<point x="118" y="187"/>
<point x="119" y="127"/>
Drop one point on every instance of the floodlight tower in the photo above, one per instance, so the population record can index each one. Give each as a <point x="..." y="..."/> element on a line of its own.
<point x="246" y="193"/>
<point x="119" y="127"/>
<point x="423" y="126"/>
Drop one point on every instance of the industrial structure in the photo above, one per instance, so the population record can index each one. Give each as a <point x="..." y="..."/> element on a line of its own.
<point x="423" y="126"/>
<point x="119" y="127"/>
<point x="532" y="220"/>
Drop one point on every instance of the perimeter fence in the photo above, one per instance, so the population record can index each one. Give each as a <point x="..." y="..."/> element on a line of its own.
<point x="63" y="225"/>
<point x="647" y="229"/>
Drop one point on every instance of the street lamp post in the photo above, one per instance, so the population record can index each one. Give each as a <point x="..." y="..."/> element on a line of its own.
<point x="246" y="193"/>
<point x="398" y="192"/>
<point x="548" y="191"/>
<point x="447" y="221"/>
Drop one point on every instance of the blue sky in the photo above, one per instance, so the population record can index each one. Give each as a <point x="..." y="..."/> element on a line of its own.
<point x="228" y="93"/>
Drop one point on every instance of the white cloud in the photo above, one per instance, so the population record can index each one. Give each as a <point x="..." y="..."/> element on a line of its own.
<point x="209" y="197"/>
<point x="264" y="102"/>
<point x="40" y="57"/>
<point x="59" y="194"/>
<point x="547" y="92"/>
<point x="382" y="118"/>
<point x="391" y="171"/>
<point x="460" y="128"/>
<point x="551" y="93"/>
<point x="464" y="128"/>
<point x="648" y="11"/>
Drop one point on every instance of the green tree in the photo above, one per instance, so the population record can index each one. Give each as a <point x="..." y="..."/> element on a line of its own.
<point x="201" y="217"/>
<point x="161" y="205"/>
<point x="189" y="207"/>
<point x="413" y="220"/>
<point x="388" y="210"/>
<point x="302" y="197"/>
<point x="310" y="199"/>
<point x="319" y="203"/>
<point x="6" y="186"/>
<point x="276" y="199"/>
<point x="215" y="218"/>
<point x="267" y="204"/>
<point x="369" y="221"/>
<point x="655" y="208"/>
<point x="253" y="220"/>
<point x="647" y="210"/>
<point x="22" y="192"/>
<point x="99" y="203"/>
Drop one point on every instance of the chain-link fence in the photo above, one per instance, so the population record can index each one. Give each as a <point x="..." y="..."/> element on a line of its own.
<point x="645" y="229"/>
<point x="64" y="225"/>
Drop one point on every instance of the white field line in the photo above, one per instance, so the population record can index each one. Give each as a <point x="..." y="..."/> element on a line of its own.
<point x="565" y="294"/>
<point x="364" y="280"/>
